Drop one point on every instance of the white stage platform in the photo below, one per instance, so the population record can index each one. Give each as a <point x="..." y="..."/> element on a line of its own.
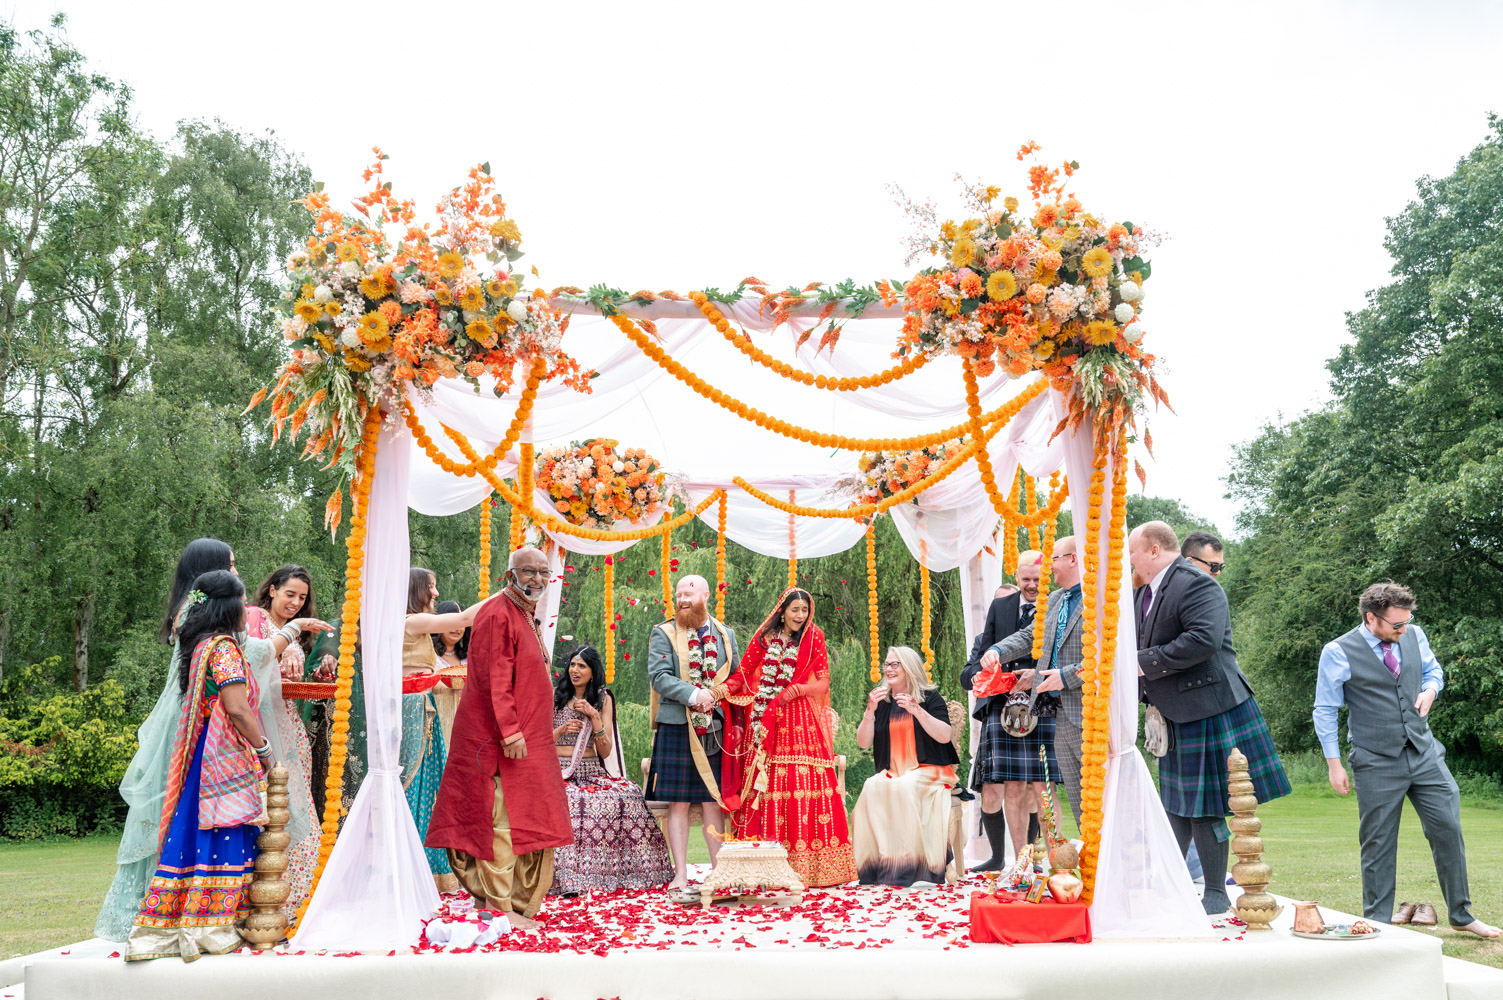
<point x="843" y="944"/>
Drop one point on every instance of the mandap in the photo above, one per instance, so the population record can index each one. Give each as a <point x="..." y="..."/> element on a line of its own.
<point x="425" y="370"/>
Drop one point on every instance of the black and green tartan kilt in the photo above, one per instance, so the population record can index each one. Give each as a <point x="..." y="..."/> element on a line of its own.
<point x="1192" y="775"/>
<point x="1001" y="758"/>
<point x="672" y="776"/>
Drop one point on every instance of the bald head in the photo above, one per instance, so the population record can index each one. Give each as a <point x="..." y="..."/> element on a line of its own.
<point x="691" y="601"/>
<point x="1066" y="563"/>
<point x="1152" y="546"/>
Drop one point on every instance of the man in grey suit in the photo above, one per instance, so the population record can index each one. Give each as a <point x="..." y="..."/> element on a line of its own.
<point x="1059" y="669"/>
<point x="688" y="725"/>
<point x="1189" y="672"/>
<point x="1385" y="673"/>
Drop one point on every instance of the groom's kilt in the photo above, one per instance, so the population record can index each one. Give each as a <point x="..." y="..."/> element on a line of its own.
<point x="672" y="776"/>
<point x="1192" y="775"/>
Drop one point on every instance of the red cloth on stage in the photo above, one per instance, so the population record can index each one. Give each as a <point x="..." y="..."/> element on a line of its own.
<point x="508" y="691"/>
<point x="1012" y="920"/>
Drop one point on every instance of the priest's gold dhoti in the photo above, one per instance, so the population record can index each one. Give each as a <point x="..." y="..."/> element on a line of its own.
<point x="509" y="883"/>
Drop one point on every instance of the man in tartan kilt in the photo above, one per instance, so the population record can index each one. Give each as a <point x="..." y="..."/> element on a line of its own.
<point x="1189" y="673"/>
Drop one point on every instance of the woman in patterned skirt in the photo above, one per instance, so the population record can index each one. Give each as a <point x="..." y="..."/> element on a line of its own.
<point x="777" y="777"/>
<point x="617" y="843"/>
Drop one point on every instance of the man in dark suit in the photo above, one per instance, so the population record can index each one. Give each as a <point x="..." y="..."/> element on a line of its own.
<point x="1007" y="615"/>
<point x="1189" y="673"/>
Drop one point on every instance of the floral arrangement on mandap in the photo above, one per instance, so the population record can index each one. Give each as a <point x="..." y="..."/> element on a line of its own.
<point x="593" y="485"/>
<point x="368" y="317"/>
<point x="886" y="473"/>
<point x="1058" y="290"/>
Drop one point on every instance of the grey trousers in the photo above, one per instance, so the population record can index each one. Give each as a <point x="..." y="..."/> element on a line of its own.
<point x="1067" y="740"/>
<point x="1382" y="785"/>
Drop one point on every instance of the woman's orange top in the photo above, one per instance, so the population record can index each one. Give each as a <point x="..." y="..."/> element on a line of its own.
<point x="902" y="755"/>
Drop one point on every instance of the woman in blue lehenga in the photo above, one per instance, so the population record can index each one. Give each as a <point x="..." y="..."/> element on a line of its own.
<point x="215" y="787"/>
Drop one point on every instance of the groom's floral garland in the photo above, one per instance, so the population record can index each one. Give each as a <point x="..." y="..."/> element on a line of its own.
<point x="702" y="652"/>
<point x="367" y="317"/>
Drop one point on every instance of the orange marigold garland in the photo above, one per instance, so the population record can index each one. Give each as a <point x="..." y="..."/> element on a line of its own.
<point x="610" y="620"/>
<point x="360" y="488"/>
<point x="664" y="571"/>
<point x="927" y="649"/>
<point x="1095" y="698"/>
<point x="1046" y="576"/>
<point x="792" y="540"/>
<point x="485" y="546"/>
<point x="871" y="597"/>
<point x="720" y="585"/>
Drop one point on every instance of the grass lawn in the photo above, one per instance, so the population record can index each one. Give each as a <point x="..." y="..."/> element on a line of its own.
<point x="50" y="892"/>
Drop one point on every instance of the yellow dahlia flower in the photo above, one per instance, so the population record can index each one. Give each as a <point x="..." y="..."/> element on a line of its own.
<point x="963" y="252"/>
<point x="373" y="287"/>
<point x="1001" y="286"/>
<point x="1097" y="262"/>
<point x="1099" y="332"/>
<point x="472" y="298"/>
<point x="307" y="310"/>
<point x="450" y="263"/>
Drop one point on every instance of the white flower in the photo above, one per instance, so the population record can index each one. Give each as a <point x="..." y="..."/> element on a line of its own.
<point x="323" y="293"/>
<point x="1124" y="311"/>
<point x="618" y="465"/>
<point x="350" y="269"/>
<point x="1133" y="334"/>
<point x="517" y="310"/>
<point x="1130" y="291"/>
<point x="350" y="338"/>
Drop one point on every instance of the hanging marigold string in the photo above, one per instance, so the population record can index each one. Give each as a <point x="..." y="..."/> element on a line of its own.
<point x="720" y="584"/>
<point x="792" y="540"/>
<point x="1046" y="577"/>
<point x="1030" y="506"/>
<point x="910" y="365"/>
<point x="518" y="421"/>
<point x="1010" y="543"/>
<point x="646" y="346"/>
<point x="344" y="678"/>
<point x="871" y="597"/>
<point x="928" y="650"/>
<point x="664" y="571"/>
<point x="1094" y="699"/>
<point x="610" y="620"/>
<point x="485" y="546"/>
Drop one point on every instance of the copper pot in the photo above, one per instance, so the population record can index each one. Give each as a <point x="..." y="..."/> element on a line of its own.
<point x="1307" y="918"/>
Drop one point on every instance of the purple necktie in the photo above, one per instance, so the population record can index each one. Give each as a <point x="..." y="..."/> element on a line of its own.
<point x="1147" y="598"/>
<point x="1389" y="660"/>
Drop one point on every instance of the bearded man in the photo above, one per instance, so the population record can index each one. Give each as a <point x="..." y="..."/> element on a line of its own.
<point x="687" y="656"/>
<point x="501" y="810"/>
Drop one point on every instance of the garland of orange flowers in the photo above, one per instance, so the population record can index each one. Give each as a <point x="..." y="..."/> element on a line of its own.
<point x="485" y="547"/>
<point x="513" y="431"/>
<point x="792" y="541"/>
<point x="610" y="620"/>
<point x="1010" y="545"/>
<point x="1095" y="699"/>
<point x="663" y="571"/>
<point x="665" y="361"/>
<point x="514" y="498"/>
<point x="1030" y="505"/>
<point x="928" y="650"/>
<point x="524" y="489"/>
<point x="1046" y="547"/>
<point x="720" y="585"/>
<point x="910" y="365"/>
<point x="354" y="562"/>
<point x="871" y="596"/>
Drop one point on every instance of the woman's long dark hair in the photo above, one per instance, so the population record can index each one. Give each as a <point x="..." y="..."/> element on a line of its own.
<point x="775" y="620"/>
<point x="563" y="688"/>
<point x="419" y="589"/>
<point x="199" y="556"/>
<point x="462" y="647"/>
<point x="220" y="613"/>
<point x="277" y="581"/>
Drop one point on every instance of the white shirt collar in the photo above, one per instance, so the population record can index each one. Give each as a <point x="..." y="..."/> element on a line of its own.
<point x="1159" y="579"/>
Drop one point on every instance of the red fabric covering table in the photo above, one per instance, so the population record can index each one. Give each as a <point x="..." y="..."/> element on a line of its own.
<point x="1013" y="920"/>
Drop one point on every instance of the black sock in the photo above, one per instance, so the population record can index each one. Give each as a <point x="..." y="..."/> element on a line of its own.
<point x="1033" y="827"/>
<point x="995" y="826"/>
<point x="1213" y="854"/>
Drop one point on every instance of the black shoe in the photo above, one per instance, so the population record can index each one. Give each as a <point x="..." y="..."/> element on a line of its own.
<point x="991" y="864"/>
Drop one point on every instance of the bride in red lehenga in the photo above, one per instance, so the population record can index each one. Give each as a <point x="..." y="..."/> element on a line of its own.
<point x="778" y="773"/>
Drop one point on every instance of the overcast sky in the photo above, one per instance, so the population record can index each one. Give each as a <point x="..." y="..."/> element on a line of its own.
<point x="687" y="145"/>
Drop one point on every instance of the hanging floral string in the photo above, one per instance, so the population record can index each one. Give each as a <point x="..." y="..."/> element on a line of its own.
<point x="485" y="546"/>
<point x="792" y="541"/>
<point x="1030" y="505"/>
<point x="360" y="489"/>
<point x="924" y="588"/>
<point x="1046" y="577"/>
<point x="664" y="570"/>
<point x="871" y="597"/>
<point x="609" y="618"/>
<point x="720" y="585"/>
<point x="1094" y="698"/>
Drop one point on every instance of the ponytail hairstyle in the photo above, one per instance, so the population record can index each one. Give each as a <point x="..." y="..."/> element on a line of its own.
<point x="217" y="607"/>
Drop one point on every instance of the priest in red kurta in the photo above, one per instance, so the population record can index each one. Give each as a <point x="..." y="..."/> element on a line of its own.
<point x="501" y="807"/>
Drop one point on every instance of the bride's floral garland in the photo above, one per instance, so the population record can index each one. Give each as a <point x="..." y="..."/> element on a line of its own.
<point x="777" y="673"/>
<point x="701" y="653"/>
<point x="593" y="485"/>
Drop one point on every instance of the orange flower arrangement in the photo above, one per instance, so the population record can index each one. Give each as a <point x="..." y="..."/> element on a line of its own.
<point x="591" y="484"/>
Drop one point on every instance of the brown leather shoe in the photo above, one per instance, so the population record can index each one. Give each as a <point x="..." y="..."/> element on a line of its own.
<point x="1403" y="914"/>
<point x="1424" y="915"/>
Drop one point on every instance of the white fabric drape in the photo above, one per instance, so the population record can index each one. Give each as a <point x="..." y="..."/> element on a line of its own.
<point x="376" y="889"/>
<point x="1143" y="887"/>
<point x="979" y="578"/>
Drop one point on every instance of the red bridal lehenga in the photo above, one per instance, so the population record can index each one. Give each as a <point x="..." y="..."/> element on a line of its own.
<point x="778" y="774"/>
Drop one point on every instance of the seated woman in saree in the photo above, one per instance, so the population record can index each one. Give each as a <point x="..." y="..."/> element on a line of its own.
<point x="144" y="786"/>
<point x="215" y="787"/>
<point x="617" y="843"/>
<point x="778" y="771"/>
<point x="903" y="815"/>
<point x="423" y="750"/>
<point x="283" y="596"/>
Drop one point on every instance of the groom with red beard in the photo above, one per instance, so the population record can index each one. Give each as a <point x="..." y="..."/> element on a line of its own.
<point x="687" y="656"/>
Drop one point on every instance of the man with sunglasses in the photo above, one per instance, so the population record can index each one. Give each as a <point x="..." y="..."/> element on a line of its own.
<point x="1387" y="676"/>
<point x="1204" y="550"/>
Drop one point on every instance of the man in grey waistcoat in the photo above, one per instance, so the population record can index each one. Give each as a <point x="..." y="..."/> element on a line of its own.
<point x="1387" y="676"/>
